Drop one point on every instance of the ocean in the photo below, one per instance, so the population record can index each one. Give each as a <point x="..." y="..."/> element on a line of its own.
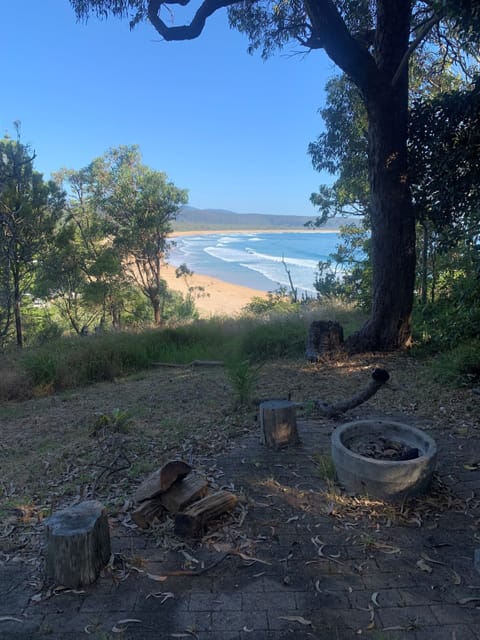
<point x="255" y="259"/>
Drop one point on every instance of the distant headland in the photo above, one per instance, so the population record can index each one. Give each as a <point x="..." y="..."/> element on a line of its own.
<point x="192" y="219"/>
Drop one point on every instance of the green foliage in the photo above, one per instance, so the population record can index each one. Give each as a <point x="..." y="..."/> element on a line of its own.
<point x="275" y="302"/>
<point x="243" y="377"/>
<point x="280" y="338"/>
<point x="459" y="366"/>
<point x="325" y="466"/>
<point x="117" y="421"/>
<point x="342" y="151"/>
<point x="444" y="142"/>
<point x="29" y="210"/>
<point x="243" y="344"/>
<point x="347" y="274"/>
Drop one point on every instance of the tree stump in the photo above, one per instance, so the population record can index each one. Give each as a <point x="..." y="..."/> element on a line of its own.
<point x="324" y="336"/>
<point x="78" y="544"/>
<point x="278" y="423"/>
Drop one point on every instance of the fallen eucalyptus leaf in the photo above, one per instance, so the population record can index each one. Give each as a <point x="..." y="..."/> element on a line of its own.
<point x="155" y="577"/>
<point x="10" y="619"/>
<point x="118" y="628"/>
<point x="299" y="619"/>
<point x="423" y="566"/>
<point x="428" y="559"/>
<point x="467" y="600"/>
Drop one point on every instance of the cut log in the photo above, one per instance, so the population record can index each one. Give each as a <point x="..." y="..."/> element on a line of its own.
<point x="278" y="423"/>
<point x="78" y="544"/>
<point x="184" y="492"/>
<point x="146" y="512"/>
<point x="193" y="520"/>
<point x="162" y="479"/>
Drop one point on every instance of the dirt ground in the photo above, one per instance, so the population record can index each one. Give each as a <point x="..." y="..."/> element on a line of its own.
<point x="99" y="442"/>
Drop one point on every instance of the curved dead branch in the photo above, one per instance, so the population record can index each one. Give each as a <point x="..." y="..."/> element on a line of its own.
<point x="379" y="378"/>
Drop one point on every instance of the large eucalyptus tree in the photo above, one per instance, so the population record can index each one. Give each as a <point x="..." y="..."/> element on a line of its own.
<point x="371" y="41"/>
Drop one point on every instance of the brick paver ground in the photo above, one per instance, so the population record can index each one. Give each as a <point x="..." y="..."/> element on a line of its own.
<point x="320" y="573"/>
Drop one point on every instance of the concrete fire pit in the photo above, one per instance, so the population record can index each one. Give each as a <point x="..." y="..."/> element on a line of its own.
<point x="387" y="479"/>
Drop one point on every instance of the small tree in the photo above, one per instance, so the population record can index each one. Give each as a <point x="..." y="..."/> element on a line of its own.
<point x="29" y="210"/>
<point x="139" y="205"/>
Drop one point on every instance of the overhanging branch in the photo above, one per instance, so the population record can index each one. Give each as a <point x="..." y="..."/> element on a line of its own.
<point x="185" y="32"/>
<point x="422" y="33"/>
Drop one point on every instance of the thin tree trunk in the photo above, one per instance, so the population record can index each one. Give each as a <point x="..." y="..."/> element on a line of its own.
<point x="18" y="318"/>
<point x="157" y="316"/>
<point x="424" y="264"/>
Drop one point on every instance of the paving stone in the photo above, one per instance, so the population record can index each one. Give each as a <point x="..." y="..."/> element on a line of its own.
<point x="237" y="620"/>
<point x="452" y="614"/>
<point x="308" y="601"/>
<point x="287" y="510"/>
<point x="216" y="602"/>
<point x="406" y="616"/>
<point x="446" y="632"/>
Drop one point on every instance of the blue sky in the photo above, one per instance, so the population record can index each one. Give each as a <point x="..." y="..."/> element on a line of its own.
<point x="227" y="126"/>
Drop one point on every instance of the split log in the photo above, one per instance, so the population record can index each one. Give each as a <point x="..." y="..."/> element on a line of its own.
<point x="78" y="544"/>
<point x="192" y="521"/>
<point x="379" y="378"/>
<point x="146" y="512"/>
<point x="278" y="423"/>
<point x="162" y="479"/>
<point x="184" y="492"/>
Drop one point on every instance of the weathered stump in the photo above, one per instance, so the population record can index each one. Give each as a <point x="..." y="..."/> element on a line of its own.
<point x="78" y="544"/>
<point x="278" y="423"/>
<point x="324" y="336"/>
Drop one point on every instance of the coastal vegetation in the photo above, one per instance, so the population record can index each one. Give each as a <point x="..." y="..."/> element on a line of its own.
<point x="380" y="46"/>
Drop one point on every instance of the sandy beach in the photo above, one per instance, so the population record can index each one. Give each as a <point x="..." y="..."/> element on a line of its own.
<point x="219" y="298"/>
<point x="222" y="298"/>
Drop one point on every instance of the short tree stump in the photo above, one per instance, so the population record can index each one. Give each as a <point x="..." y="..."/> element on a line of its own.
<point x="278" y="423"/>
<point x="78" y="544"/>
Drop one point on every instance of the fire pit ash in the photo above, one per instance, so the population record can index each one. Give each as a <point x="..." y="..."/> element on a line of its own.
<point x="383" y="459"/>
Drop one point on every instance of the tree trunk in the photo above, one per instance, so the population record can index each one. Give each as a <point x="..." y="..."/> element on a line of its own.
<point x="18" y="319"/>
<point x="392" y="216"/>
<point x="424" y="292"/>
<point x="157" y="316"/>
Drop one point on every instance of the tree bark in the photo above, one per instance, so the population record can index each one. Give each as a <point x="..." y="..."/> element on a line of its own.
<point x="18" y="321"/>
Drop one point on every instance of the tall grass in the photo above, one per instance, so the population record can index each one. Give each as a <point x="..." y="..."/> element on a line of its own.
<point x="72" y="362"/>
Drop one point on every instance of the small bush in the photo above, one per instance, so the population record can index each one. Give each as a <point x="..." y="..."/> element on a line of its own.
<point x="459" y="366"/>
<point x="15" y="384"/>
<point x="283" y="338"/>
<point x="243" y="377"/>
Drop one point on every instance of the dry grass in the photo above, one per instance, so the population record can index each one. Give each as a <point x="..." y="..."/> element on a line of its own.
<point x="51" y="452"/>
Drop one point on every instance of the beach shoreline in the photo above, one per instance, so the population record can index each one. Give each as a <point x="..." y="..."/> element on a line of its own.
<point x="221" y="232"/>
<point x="218" y="298"/>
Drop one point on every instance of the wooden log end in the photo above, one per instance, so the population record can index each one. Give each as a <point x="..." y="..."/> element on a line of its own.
<point x="78" y="544"/>
<point x="193" y="520"/>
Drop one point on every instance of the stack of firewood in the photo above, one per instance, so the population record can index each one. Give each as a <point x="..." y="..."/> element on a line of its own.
<point x="177" y="490"/>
